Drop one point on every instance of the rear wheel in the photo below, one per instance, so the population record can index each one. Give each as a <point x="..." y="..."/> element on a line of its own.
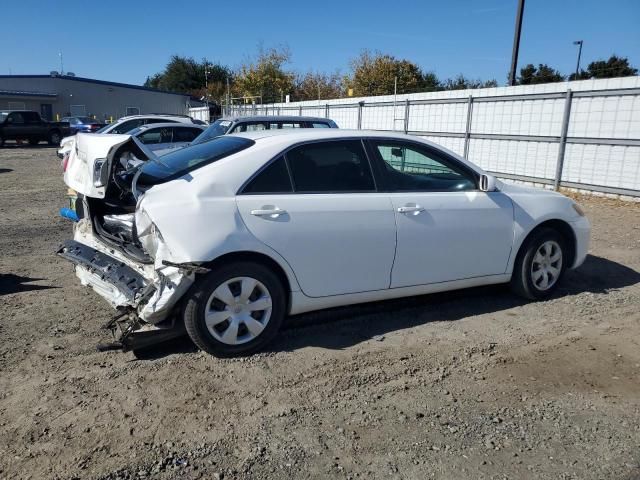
<point x="540" y="265"/>
<point x="235" y="310"/>
<point x="1" y="140"/>
<point x="54" y="138"/>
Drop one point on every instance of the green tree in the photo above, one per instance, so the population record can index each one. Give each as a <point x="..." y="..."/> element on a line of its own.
<point x="265" y="76"/>
<point x="375" y="73"/>
<point x="430" y="82"/>
<point x="530" y="74"/>
<point x="186" y="75"/>
<point x="613" y="67"/>
<point x="316" y="86"/>
<point x="463" y="83"/>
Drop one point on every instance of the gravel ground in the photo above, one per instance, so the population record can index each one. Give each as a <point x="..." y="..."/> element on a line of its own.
<point x="470" y="384"/>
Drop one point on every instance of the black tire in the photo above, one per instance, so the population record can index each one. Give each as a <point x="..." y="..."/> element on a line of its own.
<point x="1" y="141"/>
<point x="198" y="298"/>
<point x="522" y="279"/>
<point x="54" y="138"/>
<point x="33" y="141"/>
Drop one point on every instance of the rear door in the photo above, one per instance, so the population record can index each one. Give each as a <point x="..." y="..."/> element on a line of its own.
<point x="318" y="207"/>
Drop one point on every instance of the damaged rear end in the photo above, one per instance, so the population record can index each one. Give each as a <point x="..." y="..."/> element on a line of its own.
<point x="116" y="248"/>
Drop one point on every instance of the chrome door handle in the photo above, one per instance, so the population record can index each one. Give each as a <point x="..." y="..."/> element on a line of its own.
<point x="411" y="209"/>
<point x="268" y="212"/>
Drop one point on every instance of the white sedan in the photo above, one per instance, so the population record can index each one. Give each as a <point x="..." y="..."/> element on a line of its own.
<point x="228" y="237"/>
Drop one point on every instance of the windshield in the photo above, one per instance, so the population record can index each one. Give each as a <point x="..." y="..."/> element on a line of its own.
<point x="106" y="127"/>
<point x="86" y="120"/>
<point x="217" y="128"/>
<point x="176" y="164"/>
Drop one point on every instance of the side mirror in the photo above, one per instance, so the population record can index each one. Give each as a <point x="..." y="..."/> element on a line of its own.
<point x="487" y="183"/>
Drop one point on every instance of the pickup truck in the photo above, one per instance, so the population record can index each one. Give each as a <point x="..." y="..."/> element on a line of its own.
<point x="29" y="126"/>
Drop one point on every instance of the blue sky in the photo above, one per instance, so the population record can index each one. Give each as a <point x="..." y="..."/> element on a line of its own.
<point x="127" y="40"/>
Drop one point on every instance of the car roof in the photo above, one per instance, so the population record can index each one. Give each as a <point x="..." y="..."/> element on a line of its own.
<point x="149" y="126"/>
<point x="276" y="118"/>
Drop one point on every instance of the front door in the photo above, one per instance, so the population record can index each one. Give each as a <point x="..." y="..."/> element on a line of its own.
<point x="447" y="229"/>
<point x="317" y="206"/>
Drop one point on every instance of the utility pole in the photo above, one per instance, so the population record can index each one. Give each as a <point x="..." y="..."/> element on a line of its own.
<point x="61" y="64"/>
<point x="206" y="83"/>
<point x="578" y="42"/>
<point x="516" y="43"/>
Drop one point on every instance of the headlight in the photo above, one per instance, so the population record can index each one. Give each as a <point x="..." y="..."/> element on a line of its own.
<point x="148" y="234"/>
<point x="578" y="209"/>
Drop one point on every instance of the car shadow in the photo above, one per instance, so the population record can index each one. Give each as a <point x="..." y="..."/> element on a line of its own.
<point x="6" y="170"/>
<point x="342" y="327"/>
<point x="11" y="283"/>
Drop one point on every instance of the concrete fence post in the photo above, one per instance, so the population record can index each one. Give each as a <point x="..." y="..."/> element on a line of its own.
<point x="360" y="105"/>
<point x="467" y="131"/>
<point x="326" y="111"/>
<point x="563" y="139"/>
<point x="300" y="111"/>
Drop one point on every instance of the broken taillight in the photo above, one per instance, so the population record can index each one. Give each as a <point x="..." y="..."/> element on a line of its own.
<point x="65" y="162"/>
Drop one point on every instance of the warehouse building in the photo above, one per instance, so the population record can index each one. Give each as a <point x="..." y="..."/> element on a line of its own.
<point x="56" y="96"/>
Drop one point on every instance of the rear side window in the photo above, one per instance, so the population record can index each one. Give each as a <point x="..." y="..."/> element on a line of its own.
<point x="273" y="179"/>
<point x="185" y="134"/>
<point x="336" y="166"/>
<point x="320" y="125"/>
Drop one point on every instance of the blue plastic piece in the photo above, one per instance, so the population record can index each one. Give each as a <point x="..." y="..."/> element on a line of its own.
<point x="70" y="214"/>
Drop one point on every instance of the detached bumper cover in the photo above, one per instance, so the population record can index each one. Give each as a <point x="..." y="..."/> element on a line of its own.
<point x="131" y="284"/>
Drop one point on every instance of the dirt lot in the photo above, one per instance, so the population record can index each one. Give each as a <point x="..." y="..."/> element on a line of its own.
<point x="471" y="384"/>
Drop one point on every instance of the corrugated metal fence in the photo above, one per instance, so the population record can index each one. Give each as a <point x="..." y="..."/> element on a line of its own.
<point x="583" y="134"/>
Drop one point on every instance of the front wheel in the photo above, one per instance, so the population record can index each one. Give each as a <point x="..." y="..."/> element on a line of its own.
<point x="539" y="265"/>
<point x="235" y="310"/>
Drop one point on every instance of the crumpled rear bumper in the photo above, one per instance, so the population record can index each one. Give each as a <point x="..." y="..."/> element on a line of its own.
<point x="107" y="274"/>
<point x="149" y="292"/>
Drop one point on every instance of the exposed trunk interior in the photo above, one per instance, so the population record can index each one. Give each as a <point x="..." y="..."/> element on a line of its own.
<point x="113" y="216"/>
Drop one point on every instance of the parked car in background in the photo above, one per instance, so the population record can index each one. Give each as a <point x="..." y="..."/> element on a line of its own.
<point x="26" y="125"/>
<point x="82" y="124"/>
<point x="244" y="229"/>
<point x="228" y="125"/>
<point x="126" y="124"/>
<point x="163" y="138"/>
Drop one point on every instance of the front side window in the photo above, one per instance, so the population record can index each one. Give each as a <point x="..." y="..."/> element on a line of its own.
<point x="281" y="125"/>
<point x="249" y="127"/>
<point x="15" y="118"/>
<point x="272" y="179"/>
<point x="409" y="167"/>
<point x="336" y="166"/>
